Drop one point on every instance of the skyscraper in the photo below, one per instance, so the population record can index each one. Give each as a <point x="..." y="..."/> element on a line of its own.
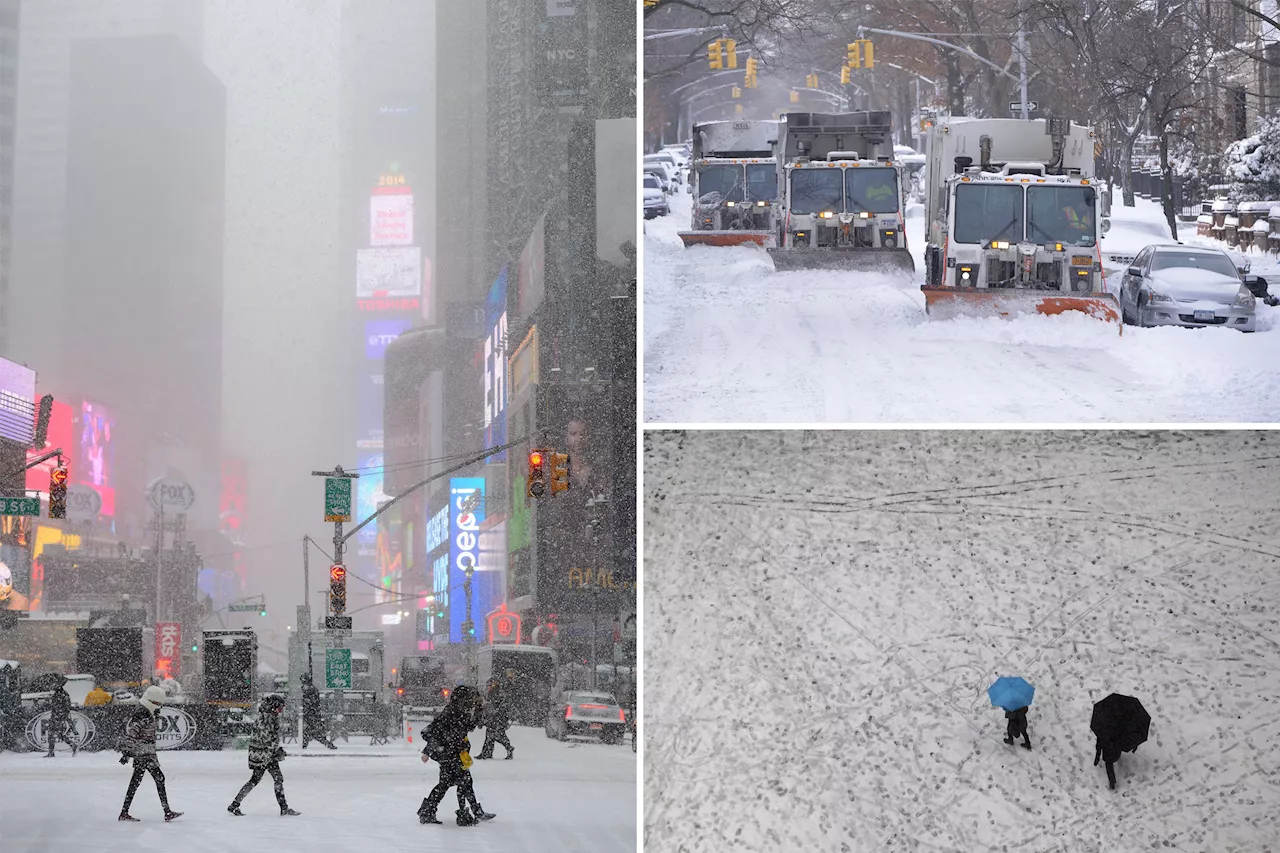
<point x="9" y="13"/>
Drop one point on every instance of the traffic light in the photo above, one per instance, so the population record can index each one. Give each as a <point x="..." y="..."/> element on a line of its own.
<point x="338" y="589"/>
<point x="737" y="108"/>
<point x="844" y="75"/>
<point x="560" y="467"/>
<point x="736" y="92"/>
<point x="811" y="81"/>
<point x="731" y="53"/>
<point x="58" y="493"/>
<point x="855" y="55"/>
<point x="263" y="611"/>
<point x="868" y="53"/>
<point x="536" y="486"/>
<point x="715" y="55"/>
<point x="795" y="97"/>
<point x="195" y="647"/>
<point x="752" y="64"/>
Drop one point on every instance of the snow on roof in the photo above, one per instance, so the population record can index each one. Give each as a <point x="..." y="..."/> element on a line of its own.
<point x="1274" y="212"/>
<point x="1256" y="206"/>
<point x="1262" y="226"/>
<point x="1221" y="204"/>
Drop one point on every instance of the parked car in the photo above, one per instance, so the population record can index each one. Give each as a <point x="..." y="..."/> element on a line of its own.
<point x="1189" y="286"/>
<point x="655" y="200"/>
<point x="679" y="152"/>
<point x="668" y="163"/>
<point x="585" y="713"/>
<point x="664" y="177"/>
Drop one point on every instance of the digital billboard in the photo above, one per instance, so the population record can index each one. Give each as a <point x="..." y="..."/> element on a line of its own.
<point x="17" y="399"/>
<point x="368" y="495"/>
<point x="378" y="334"/>
<point x="464" y="553"/>
<point x="16" y="591"/>
<point x="495" y="367"/>
<point x="389" y="272"/>
<point x="369" y="411"/>
<point x="96" y="457"/>
<point x="391" y="220"/>
<point x="531" y="270"/>
<point x="61" y="434"/>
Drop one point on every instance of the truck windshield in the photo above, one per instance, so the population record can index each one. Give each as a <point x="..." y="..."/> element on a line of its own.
<point x="1061" y="215"/>
<point x="724" y="179"/>
<point x="874" y="190"/>
<point x="816" y="190"/>
<point x="985" y="212"/>
<point x="762" y="182"/>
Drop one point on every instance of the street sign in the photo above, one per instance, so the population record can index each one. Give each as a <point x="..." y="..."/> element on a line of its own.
<point x="337" y="499"/>
<point x="337" y="623"/>
<point x="337" y="668"/>
<point x="1016" y="107"/>
<point x="20" y="506"/>
<point x="83" y="503"/>
<point x="174" y="495"/>
<point x="244" y="608"/>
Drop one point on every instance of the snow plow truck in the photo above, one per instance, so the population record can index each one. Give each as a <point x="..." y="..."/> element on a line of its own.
<point x="842" y="194"/>
<point x="1014" y="220"/>
<point x="734" y="180"/>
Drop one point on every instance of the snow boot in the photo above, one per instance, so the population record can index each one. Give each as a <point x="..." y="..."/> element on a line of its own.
<point x="510" y="754"/>
<point x="234" y="809"/>
<point x="168" y="816"/>
<point x="1009" y="741"/>
<point x="49" y="754"/>
<point x="428" y="818"/>
<point x="1026" y="744"/>
<point x="288" y="812"/>
<point x="128" y="817"/>
<point x="482" y="815"/>
<point x="74" y="750"/>
<point x="465" y="818"/>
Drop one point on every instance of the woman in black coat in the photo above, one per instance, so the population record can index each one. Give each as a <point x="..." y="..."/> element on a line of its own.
<point x="265" y="754"/>
<point x="1110" y="753"/>
<point x="1017" y="727"/>
<point x="139" y="743"/>
<point x="446" y="741"/>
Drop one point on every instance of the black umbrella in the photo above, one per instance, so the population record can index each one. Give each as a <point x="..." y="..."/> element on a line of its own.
<point x="1121" y="720"/>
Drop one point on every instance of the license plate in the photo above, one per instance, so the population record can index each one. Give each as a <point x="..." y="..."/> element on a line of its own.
<point x="1203" y="316"/>
<point x="1082" y="261"/>
<point x="595" y="726"/>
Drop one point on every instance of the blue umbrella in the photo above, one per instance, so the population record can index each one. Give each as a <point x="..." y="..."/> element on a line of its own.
<point x="1011" y="692"/>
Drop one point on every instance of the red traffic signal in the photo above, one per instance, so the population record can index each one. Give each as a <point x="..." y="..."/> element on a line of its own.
<point x="536" y="485"/>
<point x="58" y="493"/>
<point x="535" y="458"/>
<point x="337" y="574"/>
<point x="58" y="476"/>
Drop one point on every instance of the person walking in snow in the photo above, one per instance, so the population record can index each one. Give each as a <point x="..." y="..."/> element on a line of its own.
<point x="497" y="717"/>
<point x="139" y="743"/>
<point x="60" y="719"/>
<point x="312" y="719"/>
<point x="446" y="741"/>
<point x="265" y="755"/>
<point x="1017" y="727"/>
<point x="1110" y="753"/>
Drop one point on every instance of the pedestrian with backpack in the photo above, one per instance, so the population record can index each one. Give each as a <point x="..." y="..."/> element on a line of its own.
<point x="265" y="755"/>
<point x="139" y="743"/>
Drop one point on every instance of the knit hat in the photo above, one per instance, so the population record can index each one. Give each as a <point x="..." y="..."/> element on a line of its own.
<point x="153" y="697"/>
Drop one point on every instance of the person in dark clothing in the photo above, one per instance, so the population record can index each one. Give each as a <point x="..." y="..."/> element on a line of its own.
<point x="60" y="720"/>
<point x="1109" y="752"/>
<point x="139" y="742"/>
<point x="497" y="717"/>
<point x="312" y="719"/>
<point x="1017" y="727"/>
<point x="446" y="741"/>
<point x="265" y="755"/>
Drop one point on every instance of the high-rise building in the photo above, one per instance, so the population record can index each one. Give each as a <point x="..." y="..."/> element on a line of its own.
<point x="9" y="15"/>
<point x="48" y="31"/>
<point x="142" y="313"/>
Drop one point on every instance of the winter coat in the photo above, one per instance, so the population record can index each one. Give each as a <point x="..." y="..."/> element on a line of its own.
<point x="445" y="738"/>
<point x="264" y="744"/>
<point x="60" y="706"/>
<point x="310" y="703"/>
<point x="1107" y="751"/>
<point x="139" y="734"/>
<point x="497" y="708"/>
<point x="1017" y="722"/>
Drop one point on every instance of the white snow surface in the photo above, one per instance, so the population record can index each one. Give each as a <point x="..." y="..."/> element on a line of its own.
<point x="825" y="611"/>
<point x="728" y="340"/>
<point x="555" y="797"/>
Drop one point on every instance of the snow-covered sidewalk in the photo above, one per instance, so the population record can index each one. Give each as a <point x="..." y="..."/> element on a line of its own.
<point x="825" y="611"/>
<point x="555" y="797"/>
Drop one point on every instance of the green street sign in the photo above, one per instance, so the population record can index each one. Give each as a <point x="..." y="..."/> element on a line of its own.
<point x="337" y="499"/>
<point x="337" y="667"/>
<point x="243" y="608"/>
<point x="20" y="506"/>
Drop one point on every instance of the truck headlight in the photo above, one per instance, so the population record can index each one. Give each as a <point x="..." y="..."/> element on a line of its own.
<point x="1244" y="299"/>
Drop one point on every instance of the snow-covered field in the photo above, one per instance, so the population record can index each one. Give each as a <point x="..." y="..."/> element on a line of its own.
<point x="728" y="340"/>
<point x="555" y="797"/>
<point x="826" y="609"/>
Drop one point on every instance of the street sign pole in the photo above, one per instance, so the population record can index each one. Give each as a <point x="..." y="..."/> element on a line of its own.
<point x="337" y="508"/>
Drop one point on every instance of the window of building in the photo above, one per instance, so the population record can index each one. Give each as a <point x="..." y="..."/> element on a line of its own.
<point x="1239" y="117"/>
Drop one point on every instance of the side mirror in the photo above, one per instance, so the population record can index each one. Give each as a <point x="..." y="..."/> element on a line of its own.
<point x="1106" y="225"/>
<point x="1135" y="272"/>
<point x="689" y="189"/>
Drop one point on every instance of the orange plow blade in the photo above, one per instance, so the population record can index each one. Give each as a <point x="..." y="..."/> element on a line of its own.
<point x="947" y="302"/>
<point x="725" y="238"/>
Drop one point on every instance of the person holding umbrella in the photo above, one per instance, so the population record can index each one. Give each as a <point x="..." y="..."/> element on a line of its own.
<point x="1120" y="724"/>
<point x="1013" y="694"/>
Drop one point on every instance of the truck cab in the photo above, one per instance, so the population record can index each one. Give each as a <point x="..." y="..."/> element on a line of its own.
<point x="733" y="177"/>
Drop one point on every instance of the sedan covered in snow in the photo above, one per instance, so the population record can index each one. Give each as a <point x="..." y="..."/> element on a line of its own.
<point x="655" y="200"/>
<point x="1187" y="286"/>
<point x="588" y="714"/>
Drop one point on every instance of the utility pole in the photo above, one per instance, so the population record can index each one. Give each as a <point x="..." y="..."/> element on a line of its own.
<point x="1022" y="70"/>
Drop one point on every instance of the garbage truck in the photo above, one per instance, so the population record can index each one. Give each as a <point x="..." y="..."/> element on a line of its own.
<point x="842" y="194"/>
<point x="1014" y="220"/>
<point x="733" y="177"/>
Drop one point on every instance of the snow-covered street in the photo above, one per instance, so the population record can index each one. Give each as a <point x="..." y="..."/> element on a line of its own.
<point x="726" y="339"/>
<point x="826" y="610"/>
<point x="575" y="796"/>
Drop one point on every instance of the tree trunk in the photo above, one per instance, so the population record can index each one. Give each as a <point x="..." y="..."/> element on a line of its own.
<point x="955" y="88"/>
<point x="1166" y="186"/>
<point x="1126" y="169"/>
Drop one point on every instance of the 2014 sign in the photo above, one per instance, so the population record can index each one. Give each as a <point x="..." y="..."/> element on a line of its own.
<point x="82" y="731"/>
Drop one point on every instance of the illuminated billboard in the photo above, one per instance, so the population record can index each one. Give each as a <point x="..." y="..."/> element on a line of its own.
<point x="368" y="495"/>
<point x="464" y="554"/>
<point x="61" y="434"/>
<point x="531" y="271"/>
<point x="96" y="458"/>
<point x="369" y="412"/>
<point x="17" y="397"/>
<point x="495" y="367"/>
<point x="389" y="272"/>
<point x="391" y="220"/>
<point x="378" y="334"/>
